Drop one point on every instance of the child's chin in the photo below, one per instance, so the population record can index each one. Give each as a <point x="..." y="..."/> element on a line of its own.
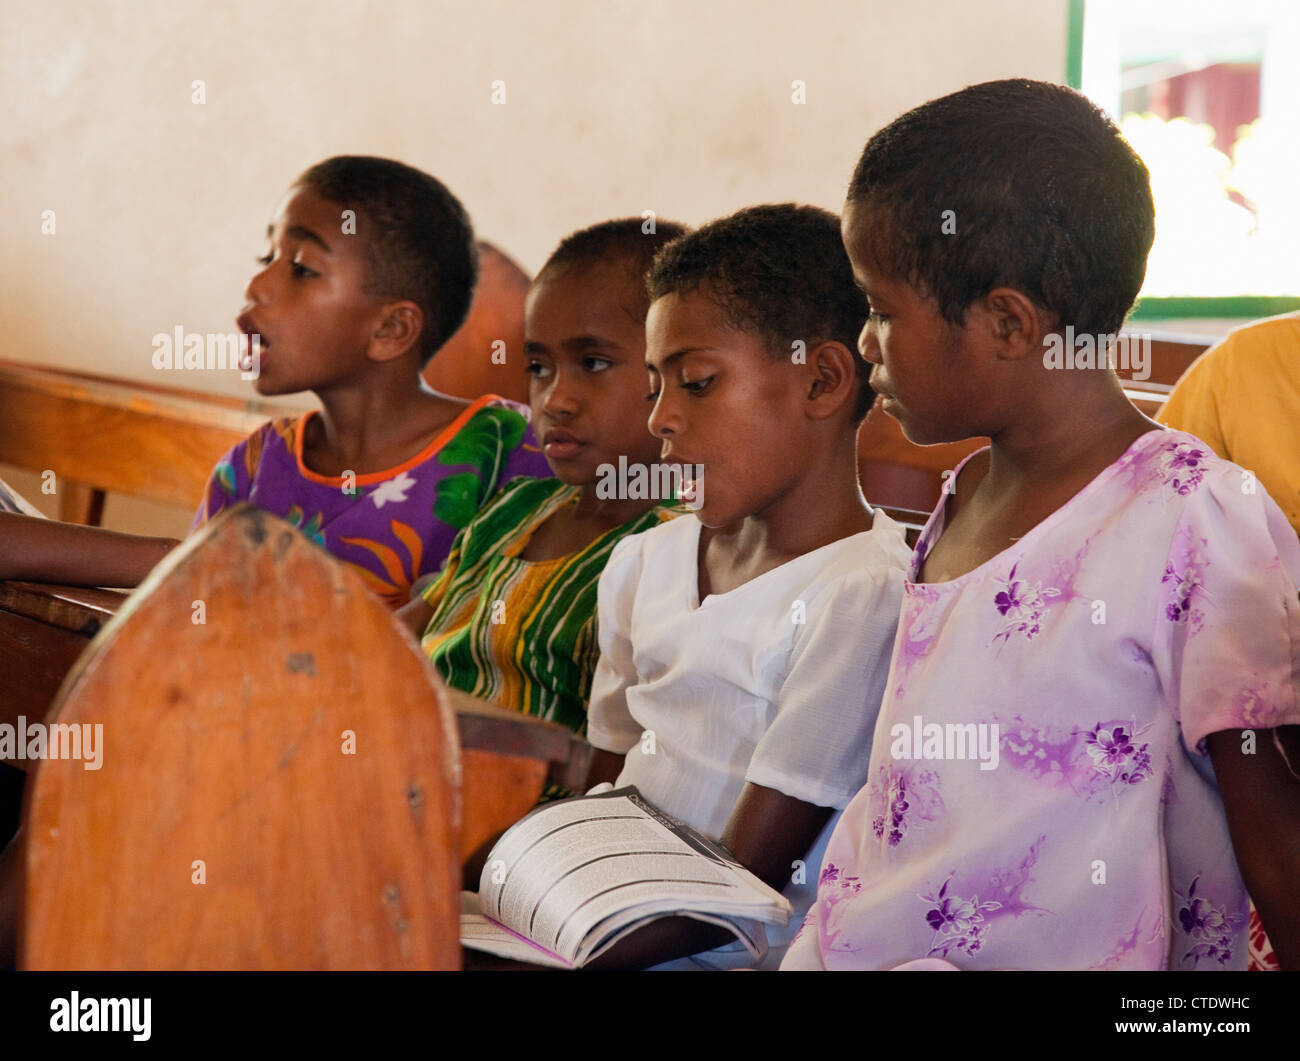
<point x="571" y="476"/>
<point x="916" y="432"/>
<point x="712" y="518"/>
<point x="269" y="388"/>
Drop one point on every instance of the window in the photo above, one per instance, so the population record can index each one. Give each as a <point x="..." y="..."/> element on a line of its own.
<point x="1208" y="93"/>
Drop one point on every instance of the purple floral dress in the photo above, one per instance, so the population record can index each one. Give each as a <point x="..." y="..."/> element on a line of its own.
<point x="1157" y="606"/>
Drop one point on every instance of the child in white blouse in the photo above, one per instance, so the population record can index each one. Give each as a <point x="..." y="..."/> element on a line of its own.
<point x="744" y="652"/>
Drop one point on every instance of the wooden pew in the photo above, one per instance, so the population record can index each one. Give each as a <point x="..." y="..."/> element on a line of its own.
<point x="507" y="758"/>
<point x="275" y="787"/>
<point x="464" y="365"/>
<point x="100" y="435"/>
<point x="898" y="473"/>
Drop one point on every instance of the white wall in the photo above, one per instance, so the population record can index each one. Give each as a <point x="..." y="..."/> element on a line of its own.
<point x="612" y="107"/>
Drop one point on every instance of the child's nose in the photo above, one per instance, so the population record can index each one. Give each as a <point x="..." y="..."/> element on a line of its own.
<point x="561" y="398"/>
<point x="252" y="290"/>
<point x="257" y="287"/>
<point x="663" y="421"/>
<point x="868" y="345"/>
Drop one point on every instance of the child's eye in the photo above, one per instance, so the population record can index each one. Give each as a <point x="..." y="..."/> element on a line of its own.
<point x="596" y="364"/>
<point x="536" y="368"/>
<point x="698" y="386"/>
<point x="653" y="396"/>
<point x="265" y="259"/>
<point x="302" y="272"/>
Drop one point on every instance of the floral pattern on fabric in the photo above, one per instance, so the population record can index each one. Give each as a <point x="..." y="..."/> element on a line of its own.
<point x="1021" y="604"/>
<point x="1158" y="605"/>
<point x="1209" y="926"/>
<point x="958" y="923"/>
<point x="906" y="797"/>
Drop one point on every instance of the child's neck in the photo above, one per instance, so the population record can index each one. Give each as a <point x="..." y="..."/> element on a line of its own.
<point x="824" y="505"/>
<point x="573" y="527"/>
<point x="610" y="512"/>
<point x="377" y="426"/>
<point x="1084" y="431"/>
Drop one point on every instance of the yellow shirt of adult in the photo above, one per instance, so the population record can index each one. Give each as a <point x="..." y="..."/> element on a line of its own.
<point x="1242" y="398"/>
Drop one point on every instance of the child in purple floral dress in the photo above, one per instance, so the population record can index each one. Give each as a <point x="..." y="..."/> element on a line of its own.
<point x="1094" y="678"/>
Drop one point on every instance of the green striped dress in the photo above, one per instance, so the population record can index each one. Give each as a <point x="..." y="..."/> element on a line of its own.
<point x="522" y="633"/>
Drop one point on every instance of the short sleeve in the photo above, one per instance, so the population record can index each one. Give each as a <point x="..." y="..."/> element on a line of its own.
<point x="1228" y="628"/>
<point x="228" y="483"/>
<point x="610" y="725"/>
<point x="1193" y="405"/>
<point x="818" y="747"/>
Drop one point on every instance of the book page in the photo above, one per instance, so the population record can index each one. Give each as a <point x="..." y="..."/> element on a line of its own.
<point x="482" y="933"/>
<point x="590" y="866"/>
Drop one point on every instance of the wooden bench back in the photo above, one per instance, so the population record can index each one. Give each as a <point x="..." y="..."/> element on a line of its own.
<point x="464" y="366"/>
<point x="100" y="435"/>
<point x="224" y="756"/>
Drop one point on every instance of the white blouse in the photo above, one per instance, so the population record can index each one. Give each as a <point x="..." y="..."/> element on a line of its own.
<point x="777" y="682"/>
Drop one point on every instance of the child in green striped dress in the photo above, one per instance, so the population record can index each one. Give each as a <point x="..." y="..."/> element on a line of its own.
<point x="511" y="618"/>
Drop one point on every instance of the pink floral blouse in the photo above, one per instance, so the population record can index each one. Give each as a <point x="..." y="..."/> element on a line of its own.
<point x="1040" y="796"/>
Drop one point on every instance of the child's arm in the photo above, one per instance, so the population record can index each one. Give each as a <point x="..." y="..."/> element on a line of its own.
<point x="47" y="551"/>
<point x="1261" y="797"/>
<point x="603" y="767"/>
<point x="767" y="832"/>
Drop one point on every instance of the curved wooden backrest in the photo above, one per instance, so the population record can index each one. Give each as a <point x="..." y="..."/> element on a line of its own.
<point x="464" y="366"/>
<point x="228" y="827"/>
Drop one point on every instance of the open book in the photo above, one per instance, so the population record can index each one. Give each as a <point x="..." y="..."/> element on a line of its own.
<point x="574" y="877"/>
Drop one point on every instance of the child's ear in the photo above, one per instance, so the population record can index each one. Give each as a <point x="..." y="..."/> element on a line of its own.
<point x="400" y="325"/>
<point x="831" y="379"/>
<point x="1017" y="324"/>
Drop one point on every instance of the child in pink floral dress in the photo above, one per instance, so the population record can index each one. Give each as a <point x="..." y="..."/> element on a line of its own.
<point x="1094" y="678"/>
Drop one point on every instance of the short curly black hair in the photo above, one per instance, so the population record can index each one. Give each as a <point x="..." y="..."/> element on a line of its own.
<point x="778" y="270"/>
<point x="1045" y="196"/>
<point x="418" y="238"/>
<point x="629" y="241"/>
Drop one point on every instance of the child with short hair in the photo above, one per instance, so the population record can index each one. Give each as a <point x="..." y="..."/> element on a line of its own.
<point x="1102" y="599"/>
<point x="512" y="617"/>
<point x="371" y="270"/>
<point x="744" y="652"/>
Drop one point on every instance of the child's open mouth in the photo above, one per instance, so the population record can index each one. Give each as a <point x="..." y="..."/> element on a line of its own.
<point x="253" y="346"/>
